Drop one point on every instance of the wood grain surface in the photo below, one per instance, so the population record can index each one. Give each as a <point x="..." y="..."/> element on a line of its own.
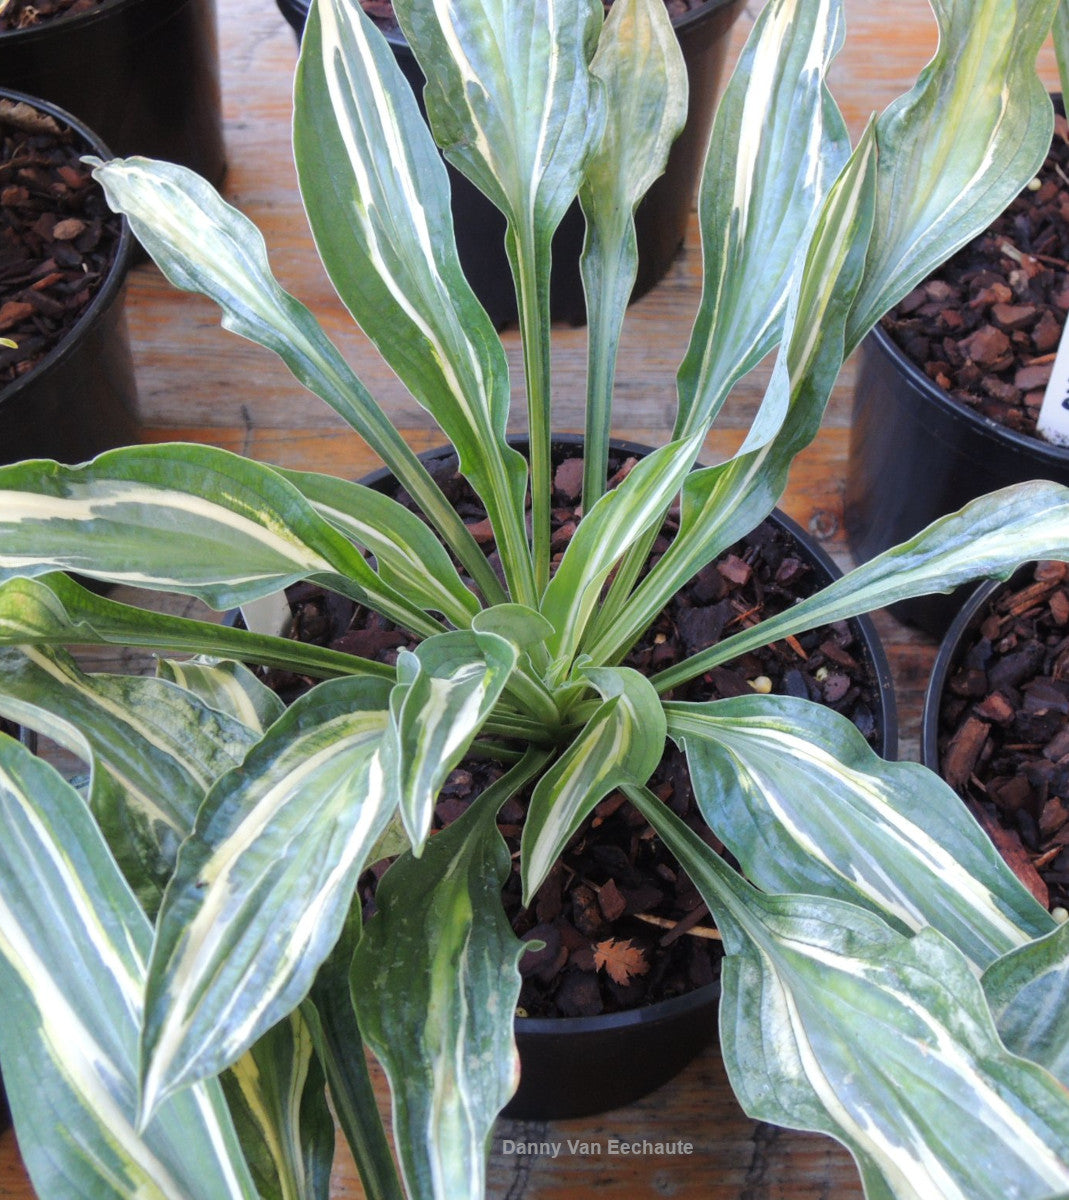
<point x="197" y="382"/>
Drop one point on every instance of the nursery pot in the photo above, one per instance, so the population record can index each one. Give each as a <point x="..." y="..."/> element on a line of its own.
<point x="576" y="1066"/>
<point x="662" y="215"/>
<point x="143" y="74"/>
<point x="81" y="398"/>
<point x="962" y="627"/>
<point x="996" y="721"/>
<point x="917" y="454"/>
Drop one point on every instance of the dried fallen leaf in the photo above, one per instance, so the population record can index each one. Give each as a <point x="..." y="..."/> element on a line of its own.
<point x="622" y="960"/>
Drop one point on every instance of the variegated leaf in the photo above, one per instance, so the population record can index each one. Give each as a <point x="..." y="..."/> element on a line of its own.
<point x="955" y="150"/>
<point x="53" y="610"/>
<point x="1028" y="992"/>
<point x="263" y="884"/>
<point x="800" y="799"/>
<point x="990" y="536"/>
<point x="778" y="143"/>
<point x="445" y="691"/>
<point x="276" y="1095"/>
<point x="202" y="244"/>
<point x="624" y="739"/>
<point x="153" y="751"/>
<point x="604" y="535"/>
<point x="377" y="199"/>
<point x="640" y="64"/>
<point x="435" y="986"/>
<point x="408" y="556"/>
<point x="73" y="946"/>
<point x="228" y="687"/>
<point x="510" y="98"/>
<point x="331" y="1020"/>
<point x="186" y="518"/>
<point x="832" y="1021"/>
<point x="724" y="503"/>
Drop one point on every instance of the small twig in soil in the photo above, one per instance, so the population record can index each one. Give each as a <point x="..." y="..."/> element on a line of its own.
<point x="699" y="931"/>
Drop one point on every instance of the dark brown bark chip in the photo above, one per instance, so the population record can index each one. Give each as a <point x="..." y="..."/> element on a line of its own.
<point x="1005" y="746"/>
<point x="57" y="236"/>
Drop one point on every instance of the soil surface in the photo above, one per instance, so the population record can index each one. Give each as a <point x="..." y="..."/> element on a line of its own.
<point x="985" y="327"/>
<point x="621" y="922"/>
<point x="58" y="238"/>
<point x="1004" y="727"/>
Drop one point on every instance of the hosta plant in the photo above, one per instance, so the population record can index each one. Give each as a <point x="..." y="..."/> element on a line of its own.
<point x="184" y="974"/>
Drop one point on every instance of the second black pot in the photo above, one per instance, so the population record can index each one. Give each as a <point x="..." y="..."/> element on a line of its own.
<point x="916" y="454"/>
<point x="661" y="218"/>
<point x="143" y="74"/>
<point x="81" y="398"/>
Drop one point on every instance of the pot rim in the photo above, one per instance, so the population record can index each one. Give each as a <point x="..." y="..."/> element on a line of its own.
<point x="946" y="658"/>
<point x="69" y="20"/>
<point x="952" y="410"/>
<point x="115" y="279"/>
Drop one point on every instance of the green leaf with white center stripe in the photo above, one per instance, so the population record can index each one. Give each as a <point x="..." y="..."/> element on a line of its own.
<point x="1028" y="992"/>
<point x="408" y="556"/>
<point x="153" y="750"/>
<point x="778" y="142"/>
<point x="202" y="244"/>
<point x="606" y="533"/>
<point x="445" y="690"/>
<point x="377" y="198"/>
<point x="955" y="150"/>
<point x="276" y="1094"/>
<point x="55" y="611"/>
<point x="185" y="518"/>
<point x="263" y="884"/>
<point x="73" y="947"/>
<point x="228" y="687"/>
<point x="724" y="503"/>
<point x="990" y="536"/>
<point x="623" y="740"/>
<point x="640" y="64"/>
<point x="510" y="98"/>
<point x="799" y="797"/>
<point x="832" y="1021"/>
<point x="435" y="986"/>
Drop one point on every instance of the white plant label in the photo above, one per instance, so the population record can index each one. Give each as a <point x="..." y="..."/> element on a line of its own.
<point x="1053" y="422"/>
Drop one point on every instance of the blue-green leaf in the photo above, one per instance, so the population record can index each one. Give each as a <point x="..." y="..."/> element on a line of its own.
<point x="435" y="985"/>
<point x="778" y="143"/>
<point x="377" y="199"/>
<point x="153" y="751"/>
<point x="832" y="1021"/>
<point x="1028" y="991"/>
<point x="623" y="740"/>
<point x="183" y="518"/>
<point x="73" y="948"/>
<point x="805" y="805"/>
<point x="263" y="884"/>
<point x="276" y="1094"/>
<point x="445" y="690"/>
<point x="957" y="148"/>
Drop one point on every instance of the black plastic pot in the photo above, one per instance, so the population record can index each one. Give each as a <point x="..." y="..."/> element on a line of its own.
<point x="966" y="622"/>
<point x="917" y="454"/>
<point x="576" y="1066"/>
<point x="81" y="398"/>
<point x="143" y="74"/>
<point x="661" y="218"/>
